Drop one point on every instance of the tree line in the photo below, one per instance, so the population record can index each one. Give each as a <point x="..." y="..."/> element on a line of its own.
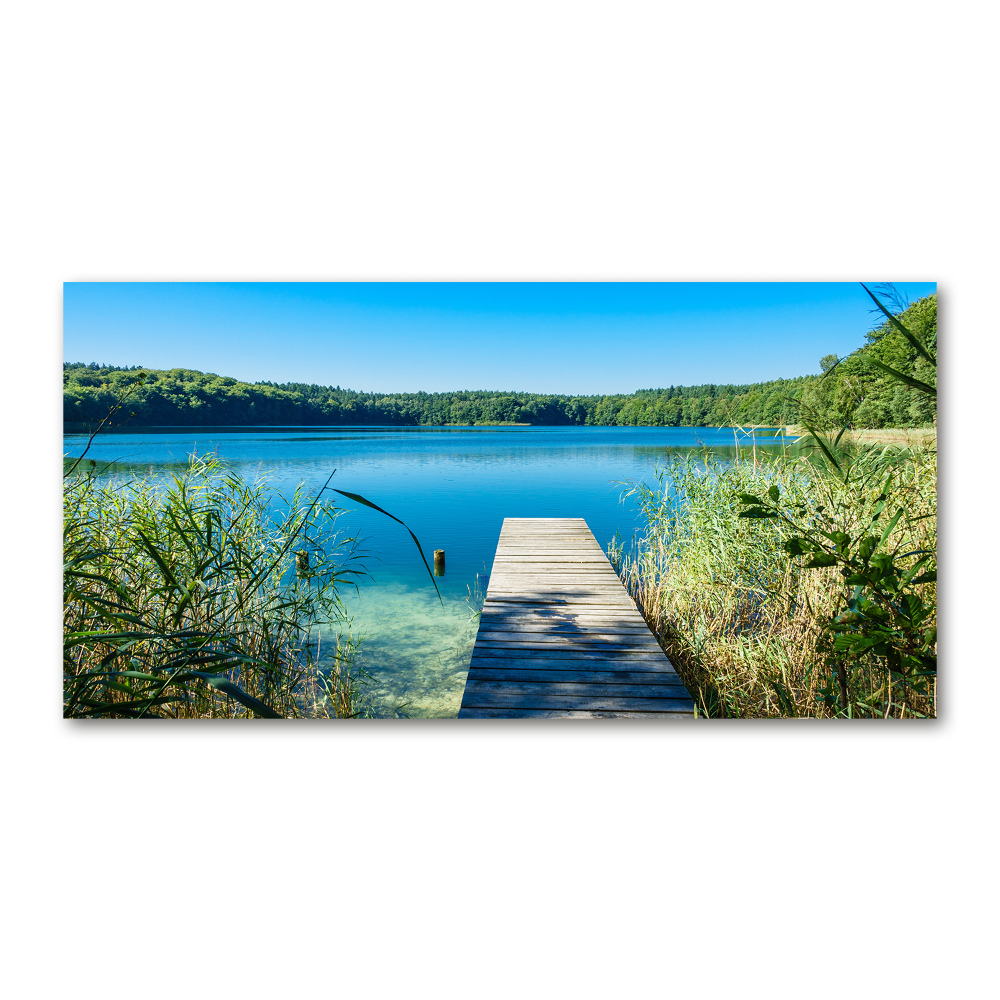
<point x="853" y="390"/>
<point x="849" y="390"/>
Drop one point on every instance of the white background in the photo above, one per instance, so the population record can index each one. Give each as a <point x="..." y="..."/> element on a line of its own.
<point x="723" y="141"/>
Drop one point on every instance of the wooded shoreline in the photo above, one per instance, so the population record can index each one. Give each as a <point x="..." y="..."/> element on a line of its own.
<point x="857" y="390"/>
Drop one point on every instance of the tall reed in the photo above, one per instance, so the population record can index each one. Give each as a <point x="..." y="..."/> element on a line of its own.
<point x="746" y="625"/>
<point x="200" y="597"/>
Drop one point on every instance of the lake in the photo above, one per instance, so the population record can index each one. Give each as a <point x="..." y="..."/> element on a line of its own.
<point x="453" y="486"/>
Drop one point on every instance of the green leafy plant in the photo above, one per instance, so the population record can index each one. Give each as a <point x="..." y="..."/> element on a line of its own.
<point x="883" y="615"/>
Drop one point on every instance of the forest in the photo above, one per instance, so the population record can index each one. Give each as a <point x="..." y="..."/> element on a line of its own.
<point x="853" y="390"/>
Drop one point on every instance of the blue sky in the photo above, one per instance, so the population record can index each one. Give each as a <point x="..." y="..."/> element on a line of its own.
<point x="532" y="336"/>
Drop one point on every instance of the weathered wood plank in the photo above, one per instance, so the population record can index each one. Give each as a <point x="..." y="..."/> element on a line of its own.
<point x="483" y="688"/>
<point x="558" y="550"/>
<point x="560" y="652"/>
<point x="540" y="605"/>
<point x="518" y="675"/>
<point x="544" y="588"/>
<point x="540" y="594"/>
<point x="559" y="623"/>
<point x="605" y="640"/>
<point x="549" y="564"/>
<point x="493" y="699"/>
<point x="608" y="620"/>
<point x="536" y="552"/>
<point x="545" y="612"/>
<point x="529" y="546"/>
<point x="604" y="602"/>
<point x="566" y="562"/>
<point x="500" y="602"/>
<point x="571" y="672"/>
<point x="527" y="713"/>
<point x="544" y="553"/>
<point x="503" y="583"/>
<point x="561" y="628"/>
<point x="501" y="580"/>
<point x="542" y="608"/>
<point x="581" y="571"/>
<point x="525" y="623"/>
<point x="628" y="654"/>
<point x="526" y="576"/>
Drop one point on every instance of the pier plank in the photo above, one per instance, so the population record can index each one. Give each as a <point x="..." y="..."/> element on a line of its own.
<point x="539" y="674"/>
<point x="522" y="713"/>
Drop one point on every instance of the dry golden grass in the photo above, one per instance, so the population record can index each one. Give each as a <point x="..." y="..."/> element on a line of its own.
<point x="918" y="437"/>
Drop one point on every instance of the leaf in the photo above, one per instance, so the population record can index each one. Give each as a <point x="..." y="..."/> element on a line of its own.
<point x="772" y="493"/>
<point x="892" y="524"/>
<point x="846" y="642"/>
<point x="913" y="383"/>
<point x="360" y="499"/>
<point x="823" y="447"/>
<point x="784" y="700"/>
<point x="757" y="512"/>
<point x="138" y="674"/>
<point x="799" y="546"/>
<point x="164" y="568"/>
<point x="228" y="687"/>
<point x="749" y="498"/>
<point x="913" y="570"/>
<point x="839" y="538"/>
<point x="821" y="559"/>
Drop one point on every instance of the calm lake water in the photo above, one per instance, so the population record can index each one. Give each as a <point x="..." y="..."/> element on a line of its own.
<point x="453" y="486"/>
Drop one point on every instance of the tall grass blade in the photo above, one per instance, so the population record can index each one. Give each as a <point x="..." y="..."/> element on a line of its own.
<point x="360" y="499"/>
<point x="913" y="383"/>
<point x="824" y="448"/>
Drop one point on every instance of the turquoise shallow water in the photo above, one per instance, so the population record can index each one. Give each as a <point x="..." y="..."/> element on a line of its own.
<point x="453" y="486"/>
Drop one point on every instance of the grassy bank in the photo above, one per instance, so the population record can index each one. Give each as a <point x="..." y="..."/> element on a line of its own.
<point x="755" y="632"/>
<point x="906" y="437"/>
<point x="193" y="598"/>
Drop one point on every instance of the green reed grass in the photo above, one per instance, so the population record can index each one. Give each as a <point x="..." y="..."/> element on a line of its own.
<point x="182" y="599"/>
<point x="746" y="626"/>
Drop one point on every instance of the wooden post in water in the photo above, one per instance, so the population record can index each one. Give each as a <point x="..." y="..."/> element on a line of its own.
<point x="439" y="562"/>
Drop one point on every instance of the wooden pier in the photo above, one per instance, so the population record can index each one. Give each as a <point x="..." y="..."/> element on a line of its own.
<point x="559" y="636"/>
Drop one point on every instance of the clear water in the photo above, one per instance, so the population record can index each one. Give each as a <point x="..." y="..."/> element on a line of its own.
<point x="453" y="486"/>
